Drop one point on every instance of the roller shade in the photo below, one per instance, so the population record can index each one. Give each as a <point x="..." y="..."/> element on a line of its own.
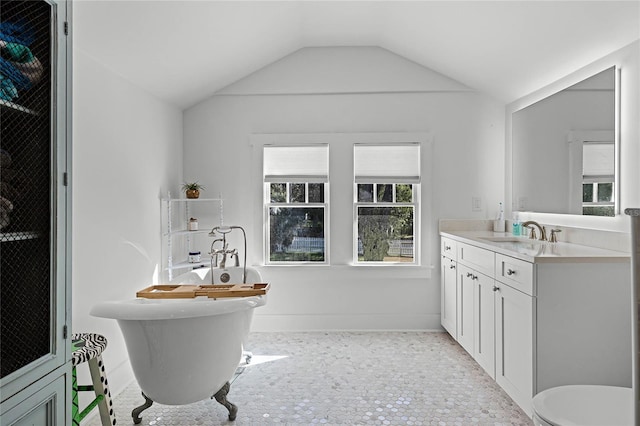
<point x="296" y="163"/>
<point x="598" y="159"/>
<point x="397" y="163"/>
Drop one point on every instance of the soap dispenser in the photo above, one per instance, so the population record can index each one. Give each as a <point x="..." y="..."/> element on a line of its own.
<point x="515" y="225"/>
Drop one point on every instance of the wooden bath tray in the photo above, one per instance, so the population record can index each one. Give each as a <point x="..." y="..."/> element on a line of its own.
<point x="213" y="291"/>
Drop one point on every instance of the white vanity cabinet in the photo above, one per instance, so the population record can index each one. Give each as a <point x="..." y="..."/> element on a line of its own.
<point x="476" y="304"/>
<point x="563" y="317"/>
<point x="514" y="347"/>
<point x="484" y="323"/>
<point x="514" y="327"/>
<point x="449" y="287"/>
<point x="465" y="307"/>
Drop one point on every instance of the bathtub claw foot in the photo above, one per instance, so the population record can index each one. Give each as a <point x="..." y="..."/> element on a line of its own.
<point x="136" y="411"/>
<point x="221" y="397"/>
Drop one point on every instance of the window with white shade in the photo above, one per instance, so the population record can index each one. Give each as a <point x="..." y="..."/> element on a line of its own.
<point x="386" y="203"/>
<point x="296" y="185"/>
<point x="598" y="176"/>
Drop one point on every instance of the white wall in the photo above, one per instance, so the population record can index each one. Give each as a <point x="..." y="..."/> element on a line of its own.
<point x="628" y="61"/>
<point x="468" y="160"/>
<point x="127" y="151"/>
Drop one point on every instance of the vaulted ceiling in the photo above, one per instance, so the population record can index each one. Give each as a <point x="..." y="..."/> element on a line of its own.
<point x="185" y="51"/>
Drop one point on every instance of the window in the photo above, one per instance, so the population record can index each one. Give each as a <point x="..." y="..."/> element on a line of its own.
<point x="386" y="179"/>
<point x="598" y="178"/>
<point x="597" y="197"/>
<point x="296" y="194"/>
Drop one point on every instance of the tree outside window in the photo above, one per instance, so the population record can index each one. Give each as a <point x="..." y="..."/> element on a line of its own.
<point x="385" y="223"/>
<point x="296" y="222"/>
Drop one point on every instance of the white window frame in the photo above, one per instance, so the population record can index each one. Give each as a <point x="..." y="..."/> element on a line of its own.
<point x="340" y="229"/>
<point x="389" y="180"/>
<point x="375" y="203"/>
<point x="268" y="205"/>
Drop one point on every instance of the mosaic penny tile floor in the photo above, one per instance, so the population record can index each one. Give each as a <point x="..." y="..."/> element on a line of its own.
<point x="342" y="378"/>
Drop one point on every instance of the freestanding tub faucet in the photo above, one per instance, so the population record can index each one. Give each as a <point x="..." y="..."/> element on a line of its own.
<point x="224" y="230"/>
<point x="214" y="253"/>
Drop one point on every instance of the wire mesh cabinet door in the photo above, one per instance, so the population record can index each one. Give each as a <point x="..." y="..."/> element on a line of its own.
<point x="34" y="212"/>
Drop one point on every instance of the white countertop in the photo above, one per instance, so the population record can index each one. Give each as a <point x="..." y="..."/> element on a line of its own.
<point x="536" y="251"/>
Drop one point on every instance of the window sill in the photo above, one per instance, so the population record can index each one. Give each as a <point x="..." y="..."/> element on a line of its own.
<point x="379" y="270"/>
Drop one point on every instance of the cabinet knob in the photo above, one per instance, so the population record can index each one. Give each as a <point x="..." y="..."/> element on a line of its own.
<point x="475" y="277"/>
<point x="452" y="266"/>
<point x="510" y="272"/>
<point x="469" y="275"/>
<point x="495" y="288"/>
<point x="447" y="248"/>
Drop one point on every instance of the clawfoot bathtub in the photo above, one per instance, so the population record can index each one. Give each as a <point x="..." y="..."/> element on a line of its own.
<point x="183" y="350"/>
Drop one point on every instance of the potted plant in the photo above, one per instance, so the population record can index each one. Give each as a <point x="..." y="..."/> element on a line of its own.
<point x="192" y="190"/>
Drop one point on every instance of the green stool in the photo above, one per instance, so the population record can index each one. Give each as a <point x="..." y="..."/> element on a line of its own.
<point x="88" y="347"/>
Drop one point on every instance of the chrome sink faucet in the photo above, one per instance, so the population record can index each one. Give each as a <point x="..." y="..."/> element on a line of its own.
<point x="553" y="237"/>
<point x="532" y="234"/>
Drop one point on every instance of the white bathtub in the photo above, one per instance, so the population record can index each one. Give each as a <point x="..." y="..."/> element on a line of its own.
<point x="203" y="276"/>
<point x="184" y="350"/>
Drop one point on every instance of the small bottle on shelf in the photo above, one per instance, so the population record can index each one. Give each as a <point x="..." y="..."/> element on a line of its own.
<point x="194" y="256"/>
<point x="498" y="223"/>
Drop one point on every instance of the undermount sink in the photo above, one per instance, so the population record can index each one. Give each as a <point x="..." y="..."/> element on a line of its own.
<point x="522" y="245"/>
<point x="506" y="239"/>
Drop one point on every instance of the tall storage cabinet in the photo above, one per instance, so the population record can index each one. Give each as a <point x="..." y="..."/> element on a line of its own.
<point x="35" y="205"/>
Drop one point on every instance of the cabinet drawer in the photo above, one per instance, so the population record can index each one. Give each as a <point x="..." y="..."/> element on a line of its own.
<point x="448" y="248"/>
<point x="477" y="258"/>
<point x="515" y="272"/>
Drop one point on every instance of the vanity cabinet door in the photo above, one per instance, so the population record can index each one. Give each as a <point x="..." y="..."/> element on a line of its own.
<point x="449" y="248"/>
<point x="448" y="296"/>
<point x="484" y="323"/>
<point x="465" y="327"/>
<point x="514" y="343"/>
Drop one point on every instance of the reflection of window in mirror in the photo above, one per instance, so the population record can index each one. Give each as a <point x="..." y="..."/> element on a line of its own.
<point x="546" y="141"/>
<point x="592" y="189"/>
<point x="598" y="173"/>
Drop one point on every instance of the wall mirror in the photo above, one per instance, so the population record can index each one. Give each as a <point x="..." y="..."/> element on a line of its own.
<point x="564" y="150"/>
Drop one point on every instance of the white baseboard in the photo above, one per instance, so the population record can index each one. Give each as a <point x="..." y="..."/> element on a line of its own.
<point x="427" y="322"/>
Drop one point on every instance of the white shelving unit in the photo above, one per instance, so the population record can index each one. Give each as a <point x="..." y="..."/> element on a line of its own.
<point x="178" y="241"/>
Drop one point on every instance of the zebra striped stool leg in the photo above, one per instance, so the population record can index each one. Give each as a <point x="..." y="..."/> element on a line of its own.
<point x="75" y="409"/>
<point x="101" y="387"/>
